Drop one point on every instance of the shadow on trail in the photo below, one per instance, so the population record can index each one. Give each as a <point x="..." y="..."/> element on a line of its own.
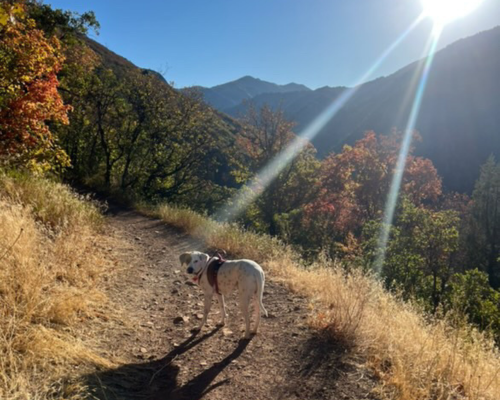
<point x="317" y="372"/>
<point x="157" y="379"/>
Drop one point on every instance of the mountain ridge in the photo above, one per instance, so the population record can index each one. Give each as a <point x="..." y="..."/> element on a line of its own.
<point x="232" y="93"/>
<point x="458" y="118"/>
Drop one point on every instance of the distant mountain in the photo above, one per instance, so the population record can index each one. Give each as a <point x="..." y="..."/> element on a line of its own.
<point x="459" y="119"/>
<point x="231" y="94"/>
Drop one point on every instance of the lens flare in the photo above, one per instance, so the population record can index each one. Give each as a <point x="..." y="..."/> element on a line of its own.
<point x="397" y="178"/>
<point x="264" y="177"/>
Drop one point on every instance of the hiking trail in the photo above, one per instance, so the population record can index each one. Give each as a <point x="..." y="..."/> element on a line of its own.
<point x="156" y="306"/>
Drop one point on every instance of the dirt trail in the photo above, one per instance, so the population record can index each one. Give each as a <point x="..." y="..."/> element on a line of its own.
<point x="157" y="307"/>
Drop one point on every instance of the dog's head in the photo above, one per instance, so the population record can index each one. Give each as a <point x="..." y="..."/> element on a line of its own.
<point x="194" y="260"/>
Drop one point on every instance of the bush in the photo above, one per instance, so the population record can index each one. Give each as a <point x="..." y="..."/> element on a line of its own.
<point x="472" y="295"/>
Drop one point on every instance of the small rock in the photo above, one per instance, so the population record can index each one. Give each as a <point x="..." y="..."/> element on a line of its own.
<point x="175" y="291"/>
<point x="137" y="238"/>
<point x="199" y="316"/>
<point x="144" y="350"/>
<point x="178" y="320"/>
<point x="227" y="332"/>
<point x="190" y="283"/>
<point x="177" y="271"/>
<point x="203" y="363"/>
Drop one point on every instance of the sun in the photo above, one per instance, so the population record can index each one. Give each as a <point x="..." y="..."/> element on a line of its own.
<point x="445" y="11"/>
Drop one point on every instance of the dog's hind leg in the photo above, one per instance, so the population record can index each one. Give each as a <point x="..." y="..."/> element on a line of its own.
<point x="244" y="305"/>
<point x="257" y="311"/>
<point x="220" y="298"/>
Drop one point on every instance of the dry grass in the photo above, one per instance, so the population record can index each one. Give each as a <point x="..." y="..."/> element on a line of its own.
<point x="415" y="358"/>
<point x="52" y="203"/>
<point x="49" y="267"/>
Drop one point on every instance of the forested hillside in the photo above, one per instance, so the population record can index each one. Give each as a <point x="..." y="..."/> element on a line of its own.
<point x="126" y="129"/>
<point x="458" y="120"/>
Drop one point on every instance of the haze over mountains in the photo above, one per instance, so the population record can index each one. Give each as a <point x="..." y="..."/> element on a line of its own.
<point x="459" y="120"/>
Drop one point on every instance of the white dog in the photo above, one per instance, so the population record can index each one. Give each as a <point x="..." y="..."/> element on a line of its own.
<point x="222" y="277"/>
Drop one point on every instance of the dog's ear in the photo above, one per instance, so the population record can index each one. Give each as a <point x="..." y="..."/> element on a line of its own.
<point x="185" y="258"/>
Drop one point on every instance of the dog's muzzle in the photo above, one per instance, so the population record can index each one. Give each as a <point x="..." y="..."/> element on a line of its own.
<point x="190" y="270"/>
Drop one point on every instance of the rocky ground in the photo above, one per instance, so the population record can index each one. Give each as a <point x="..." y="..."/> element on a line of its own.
<point x="156" y="307"/>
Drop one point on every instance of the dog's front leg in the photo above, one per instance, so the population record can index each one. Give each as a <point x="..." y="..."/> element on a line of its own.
<point x="220" y="298"/>
<point x="206" y="308"/>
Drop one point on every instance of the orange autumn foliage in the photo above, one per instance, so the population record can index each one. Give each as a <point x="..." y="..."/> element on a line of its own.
<point x="29" y="100"/>
<point x="354" y="184"/>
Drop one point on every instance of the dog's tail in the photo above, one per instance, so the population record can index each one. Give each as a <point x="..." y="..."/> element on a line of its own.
<point x="260" y="292"/>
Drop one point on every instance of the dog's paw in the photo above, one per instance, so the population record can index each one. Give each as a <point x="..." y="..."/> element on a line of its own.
<point x="249" y="335"/>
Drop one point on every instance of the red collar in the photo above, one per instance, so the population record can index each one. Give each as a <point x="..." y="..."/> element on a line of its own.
<point x="212" y="279"/>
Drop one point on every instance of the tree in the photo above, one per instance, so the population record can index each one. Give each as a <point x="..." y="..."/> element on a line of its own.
<point x="353" y="187"/>
<point x="265" y="137"/>
<point x="470" y="294"/>
<point x="484" y="222"/>
<point x="29" y="100"/>
<point x="421" y="254"/>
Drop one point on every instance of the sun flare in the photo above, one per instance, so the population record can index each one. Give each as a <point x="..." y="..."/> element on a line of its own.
<point x="445" y="11"/>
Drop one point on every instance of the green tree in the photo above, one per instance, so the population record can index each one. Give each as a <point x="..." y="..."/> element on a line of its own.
<point x="421" y="254"/>
<point x="484" y="222"/>
<point x="471" y="295"/>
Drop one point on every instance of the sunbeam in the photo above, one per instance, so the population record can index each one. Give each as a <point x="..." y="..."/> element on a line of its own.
<point x="266" y="175"/>
<point x="393" y="195"/>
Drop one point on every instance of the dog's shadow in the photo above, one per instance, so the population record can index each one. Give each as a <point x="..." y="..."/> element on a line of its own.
<point x="157" y="379"/>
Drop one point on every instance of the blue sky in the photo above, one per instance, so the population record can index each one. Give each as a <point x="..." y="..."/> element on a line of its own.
<point x="313" y="42"/>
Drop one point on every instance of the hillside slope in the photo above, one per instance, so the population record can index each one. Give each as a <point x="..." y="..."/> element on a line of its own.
<point x="458" y="121"/>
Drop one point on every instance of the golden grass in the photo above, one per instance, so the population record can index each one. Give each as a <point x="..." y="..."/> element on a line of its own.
<point x="415" y="358"/>
<point x="52" y="203"/>
<point x="49" y="267"/>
